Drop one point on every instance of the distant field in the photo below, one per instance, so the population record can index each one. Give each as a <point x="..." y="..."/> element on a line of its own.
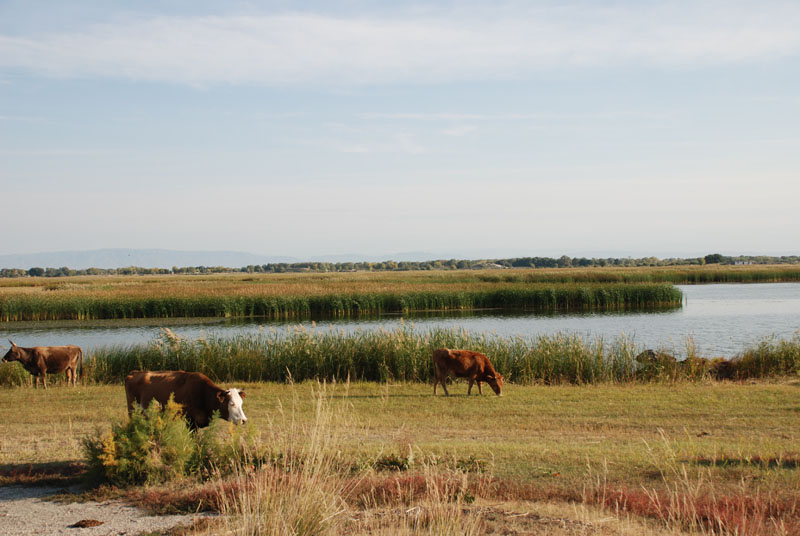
<point x="717" y="444"/>
<point x="324" y="283"/>
<point x="302" y="295"/>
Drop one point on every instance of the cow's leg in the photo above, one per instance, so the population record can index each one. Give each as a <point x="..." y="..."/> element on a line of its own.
<point x="479" y="387"/>
<point x="36" y="381"/>
<point x="439" y="376"/>
<point x="131" y="401"/>
<point x="198" y="419"/>
<point x="471" y="381"/>
<point x="44" y="380"/>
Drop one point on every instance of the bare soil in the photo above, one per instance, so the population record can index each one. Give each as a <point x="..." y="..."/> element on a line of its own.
<point x="27" y="511"/>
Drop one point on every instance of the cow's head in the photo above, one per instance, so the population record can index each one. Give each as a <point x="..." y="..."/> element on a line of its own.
<point x="495" y="381"/>
<point x="13" y="353"/>
<point x="231" y="405"/>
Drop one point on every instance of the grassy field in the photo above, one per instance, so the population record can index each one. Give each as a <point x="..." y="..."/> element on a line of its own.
<point x="378" y="282"/>
<point x="530" y="433"/>
<point x="308" y="294"/>
<point x="635" y="449"/>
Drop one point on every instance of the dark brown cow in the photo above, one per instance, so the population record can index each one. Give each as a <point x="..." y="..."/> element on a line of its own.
<point x="465" y="364"/>
<point x="40" y="360"/>
<point x="197" y="394"/>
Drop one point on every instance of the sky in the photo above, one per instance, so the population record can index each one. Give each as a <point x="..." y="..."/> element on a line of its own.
<point x="462" y="129"/>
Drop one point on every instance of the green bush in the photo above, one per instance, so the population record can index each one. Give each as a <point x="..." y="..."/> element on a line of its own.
<point x="225" y="448"/>
<point x="13" y="375"/>
<point x="153" y="447"/>
<point x="157" y="445"/>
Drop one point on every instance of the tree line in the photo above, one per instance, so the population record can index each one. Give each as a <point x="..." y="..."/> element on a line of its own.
<point x="451" y="264"/>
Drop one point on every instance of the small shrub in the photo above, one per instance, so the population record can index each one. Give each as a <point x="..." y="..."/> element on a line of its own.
<point x="392" y="462"/>
<point x="13" y="375"/>
<point x="153" y="447"/>
<point x="156" y="446"/>
<point x="471" y="464"/>
<point x="224" y="448"/>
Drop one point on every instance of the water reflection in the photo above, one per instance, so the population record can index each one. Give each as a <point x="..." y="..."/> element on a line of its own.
<point x="722" y="320"/>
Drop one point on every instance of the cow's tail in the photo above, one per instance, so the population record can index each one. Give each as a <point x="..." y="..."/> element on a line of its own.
<point x="80" y="362"/>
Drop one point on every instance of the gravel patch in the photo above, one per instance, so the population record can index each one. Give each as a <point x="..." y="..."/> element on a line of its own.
<point x="26" y="511"/>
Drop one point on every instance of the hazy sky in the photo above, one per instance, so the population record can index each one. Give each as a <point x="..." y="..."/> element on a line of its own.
<point x="472" y="129"/>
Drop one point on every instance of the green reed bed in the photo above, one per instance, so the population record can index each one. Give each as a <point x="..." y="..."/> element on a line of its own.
<point x="402" y="354"/>
<point x="554" y="297"/>
<point x="679" y="276"/>
<point x="405" y="355"/>
<point x="771" y="356"/>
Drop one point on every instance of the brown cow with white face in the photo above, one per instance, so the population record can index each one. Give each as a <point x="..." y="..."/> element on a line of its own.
<point x="465" y="364"/>
<point x="40" y="360"/>
<point x="194" y="391"/>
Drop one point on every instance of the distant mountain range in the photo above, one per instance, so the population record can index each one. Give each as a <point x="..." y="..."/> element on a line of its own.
<point x="166" y="258"/>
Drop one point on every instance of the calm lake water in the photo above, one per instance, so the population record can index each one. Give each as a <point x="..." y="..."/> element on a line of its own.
<point x="721" y="319"/>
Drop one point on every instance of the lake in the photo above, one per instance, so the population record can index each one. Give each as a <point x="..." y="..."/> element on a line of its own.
<point x="722" y="320"/>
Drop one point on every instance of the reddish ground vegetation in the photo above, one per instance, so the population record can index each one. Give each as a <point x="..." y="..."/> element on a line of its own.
<point x="788" y="461"/>
<point x="181" y="500"/>
<point x="738" y="514"/>
<point x="386" y="490"/>
<point x="44" y="474"/>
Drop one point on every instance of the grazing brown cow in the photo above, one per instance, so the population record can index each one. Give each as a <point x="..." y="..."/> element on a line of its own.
<point x="197" y="394"/>
<point x="464" y="364"/>
<point x="40" y="360"/>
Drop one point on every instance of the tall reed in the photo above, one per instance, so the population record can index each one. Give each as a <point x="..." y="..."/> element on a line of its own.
<point x="553" y="297"/>
<point x="404" y="354"/>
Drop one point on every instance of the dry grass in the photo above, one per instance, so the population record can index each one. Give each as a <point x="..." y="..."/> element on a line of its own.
<point x="252" y="284"/>
<point x="696" y="499"/>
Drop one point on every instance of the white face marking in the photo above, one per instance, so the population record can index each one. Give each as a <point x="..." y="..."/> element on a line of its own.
<point x="235" y="412"/>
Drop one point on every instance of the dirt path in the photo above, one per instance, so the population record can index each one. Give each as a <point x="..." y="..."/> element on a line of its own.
<point x="26" y="511"/>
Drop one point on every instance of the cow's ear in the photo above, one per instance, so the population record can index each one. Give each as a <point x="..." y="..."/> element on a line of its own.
<point x="241" y="393"/>
<point x="221" y="396"/>
<point x="12" y="342"/>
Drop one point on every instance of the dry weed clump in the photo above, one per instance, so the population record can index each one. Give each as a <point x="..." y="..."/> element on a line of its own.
<point x="696" y="501"/>
<point x="308" y="488"/>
